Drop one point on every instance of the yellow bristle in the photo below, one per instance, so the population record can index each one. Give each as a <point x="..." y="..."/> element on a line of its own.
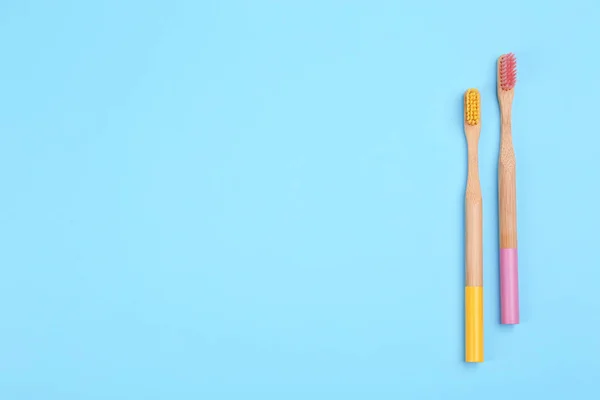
<point x="472" y="107"/>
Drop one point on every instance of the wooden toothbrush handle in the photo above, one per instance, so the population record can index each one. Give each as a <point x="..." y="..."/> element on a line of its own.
<point x="473" y="224"/>
<point x="473" y="262"/>
<point x="507" y="216"/>
<point x="507" y="189"/>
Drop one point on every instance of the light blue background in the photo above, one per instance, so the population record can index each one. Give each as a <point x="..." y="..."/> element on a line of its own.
<point x="264" y="199"/>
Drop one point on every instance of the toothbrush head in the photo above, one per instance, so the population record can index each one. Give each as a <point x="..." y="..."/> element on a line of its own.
<point x="472" y="107"/>
<point x="507" y="71"/>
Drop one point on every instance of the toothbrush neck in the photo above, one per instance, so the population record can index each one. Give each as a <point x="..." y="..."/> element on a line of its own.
<point x="506" y="117"/>
<point x="473" y="158"/>
<point x="506" y="100"/>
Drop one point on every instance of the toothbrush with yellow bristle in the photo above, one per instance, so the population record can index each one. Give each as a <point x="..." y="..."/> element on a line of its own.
<point x="507" y="194"/>
<point x="473" y="234"/>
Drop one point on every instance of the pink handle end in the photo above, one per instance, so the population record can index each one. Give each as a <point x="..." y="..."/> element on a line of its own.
<point x="509" y="286"/>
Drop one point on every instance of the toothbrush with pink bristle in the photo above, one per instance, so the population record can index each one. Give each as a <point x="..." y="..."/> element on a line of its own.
<point x="507" y="194"/>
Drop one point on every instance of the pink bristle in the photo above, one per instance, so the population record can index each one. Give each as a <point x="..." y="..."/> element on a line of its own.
<point x="508" y="71"/>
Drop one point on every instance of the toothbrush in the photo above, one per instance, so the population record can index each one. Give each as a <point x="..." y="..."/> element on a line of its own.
<point x="473" y="234"/>
<point x="507" y="194"/>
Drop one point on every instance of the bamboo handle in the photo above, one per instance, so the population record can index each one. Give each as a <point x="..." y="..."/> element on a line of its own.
<point x="473" y="222"/>
<point x="507" y="188"/>
<point x="473" y="253"/>
<point x="507" y="214"/>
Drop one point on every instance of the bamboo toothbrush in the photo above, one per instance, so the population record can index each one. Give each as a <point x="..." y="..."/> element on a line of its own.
<point x="473" y="234"/>
<point x="507" y="194"/>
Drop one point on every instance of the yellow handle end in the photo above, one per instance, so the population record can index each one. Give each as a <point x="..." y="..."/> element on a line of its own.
<point x="474" y="324"/>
